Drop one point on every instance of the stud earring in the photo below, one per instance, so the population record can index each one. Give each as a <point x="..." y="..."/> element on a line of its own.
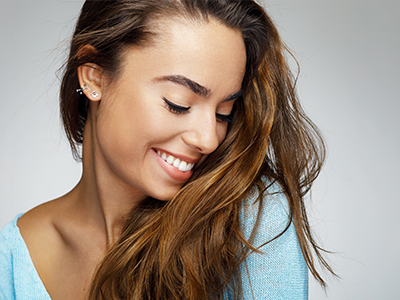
<point x="94" y="94"/>
<point x="82" y="89"/>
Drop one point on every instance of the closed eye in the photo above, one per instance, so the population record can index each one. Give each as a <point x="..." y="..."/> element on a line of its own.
<point x="225" y="118"/>
<point x="175" y="108"/>
<point x="178" y="109"/>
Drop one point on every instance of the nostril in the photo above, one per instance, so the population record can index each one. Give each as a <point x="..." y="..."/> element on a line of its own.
<point x="198" y="149"/>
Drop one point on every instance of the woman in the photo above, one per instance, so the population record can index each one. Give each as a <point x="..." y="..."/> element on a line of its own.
<point x="196" y="158"/>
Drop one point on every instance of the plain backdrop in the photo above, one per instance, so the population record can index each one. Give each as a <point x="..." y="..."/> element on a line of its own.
<point x="349" y="57"/>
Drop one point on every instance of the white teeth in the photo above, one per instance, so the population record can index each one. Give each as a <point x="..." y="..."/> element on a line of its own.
<point x="182" y="166"/>
<point x="176" y="162"/>
<point x="170" y="159"/>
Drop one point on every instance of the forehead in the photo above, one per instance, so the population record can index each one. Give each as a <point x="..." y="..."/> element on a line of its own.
<point x="189" y="31"/>
<point x="205" y="51"/>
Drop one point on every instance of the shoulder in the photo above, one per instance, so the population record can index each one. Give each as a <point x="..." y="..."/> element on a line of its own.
<point x="39" y="230"/>
<point x="18" y="276"/>
<point x="270" y="209"/>
<point x="37" y="226"/>
<point x="39" y="219"/>
<point x="8" y="233"/>
<point x="9" y="240"/>
<point x="278" y="270"/>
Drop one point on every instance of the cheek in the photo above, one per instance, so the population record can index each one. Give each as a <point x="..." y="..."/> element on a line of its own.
<point x="130" y="126"/>
<point x="119" y="126"/>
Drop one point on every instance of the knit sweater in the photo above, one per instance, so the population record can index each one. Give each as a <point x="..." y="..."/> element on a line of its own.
<point x="279" y="272"/>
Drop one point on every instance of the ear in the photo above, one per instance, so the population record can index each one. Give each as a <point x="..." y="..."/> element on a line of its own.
<point x="90" y="75"/>
<point x="90" y="80"/>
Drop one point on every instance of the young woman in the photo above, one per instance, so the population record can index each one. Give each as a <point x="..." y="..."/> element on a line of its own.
<point x="196" y="158"/>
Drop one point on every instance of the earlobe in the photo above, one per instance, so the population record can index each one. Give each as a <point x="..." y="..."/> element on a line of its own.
<point x="90" y="76"/>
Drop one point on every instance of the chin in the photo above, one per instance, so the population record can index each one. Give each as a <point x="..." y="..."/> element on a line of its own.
<point x="165" y="195"/>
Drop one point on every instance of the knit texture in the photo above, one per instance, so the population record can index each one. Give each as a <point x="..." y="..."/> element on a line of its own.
<point x="279" y="272"/>
<point x="18" y="277"/>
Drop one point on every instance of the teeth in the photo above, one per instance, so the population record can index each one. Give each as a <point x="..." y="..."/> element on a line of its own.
<point x="182" y="166"/>
<point x="170" y="159"/>
<point x="176" y="162"/>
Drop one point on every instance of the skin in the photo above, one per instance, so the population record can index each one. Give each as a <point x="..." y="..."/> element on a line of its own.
<point x="128" y="121"/>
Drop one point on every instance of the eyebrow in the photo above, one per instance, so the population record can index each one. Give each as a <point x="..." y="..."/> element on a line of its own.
<point x="193" y="86"/>
<point x="186" y="82"/>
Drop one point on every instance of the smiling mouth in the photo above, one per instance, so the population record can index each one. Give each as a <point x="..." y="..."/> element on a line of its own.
<point x="181" y="165"/>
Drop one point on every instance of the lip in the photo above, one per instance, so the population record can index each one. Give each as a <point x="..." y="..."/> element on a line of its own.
<point x="173" y="172"/>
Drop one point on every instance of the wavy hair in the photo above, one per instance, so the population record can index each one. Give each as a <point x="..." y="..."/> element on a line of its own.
<point x="191" y="247"/>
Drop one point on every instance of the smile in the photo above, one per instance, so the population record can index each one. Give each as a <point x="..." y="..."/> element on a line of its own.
<point x="176" y="162"/>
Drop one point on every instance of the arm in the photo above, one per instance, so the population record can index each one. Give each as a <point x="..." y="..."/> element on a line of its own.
<point x="280" y="272"/>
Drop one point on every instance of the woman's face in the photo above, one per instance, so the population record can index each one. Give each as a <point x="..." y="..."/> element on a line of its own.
<point x="168" y="108"/>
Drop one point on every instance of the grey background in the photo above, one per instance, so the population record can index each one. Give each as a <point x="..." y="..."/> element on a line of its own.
<point x="349" y="84"/>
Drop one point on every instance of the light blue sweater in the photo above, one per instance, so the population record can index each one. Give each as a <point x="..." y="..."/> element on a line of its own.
<point x="279" y="273"/>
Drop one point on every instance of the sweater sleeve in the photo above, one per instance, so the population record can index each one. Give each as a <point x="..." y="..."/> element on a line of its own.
<point x="279" y="272"/>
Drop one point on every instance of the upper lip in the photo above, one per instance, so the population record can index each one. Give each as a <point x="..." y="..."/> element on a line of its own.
<point x="181" y="157"/>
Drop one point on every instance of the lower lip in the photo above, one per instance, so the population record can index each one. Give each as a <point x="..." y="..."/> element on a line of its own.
<point x="173" y="172"/>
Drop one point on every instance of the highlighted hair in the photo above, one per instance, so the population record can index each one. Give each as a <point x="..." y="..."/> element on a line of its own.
<point x="191" y="247"/>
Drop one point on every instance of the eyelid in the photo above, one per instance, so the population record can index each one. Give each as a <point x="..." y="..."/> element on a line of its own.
<point x="225" y="118"/>
<point x="178" y="109"/>
<point x="228" y="118"/>
<point x="175" y="108"/>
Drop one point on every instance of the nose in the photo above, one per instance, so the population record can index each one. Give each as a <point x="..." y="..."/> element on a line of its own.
<point x="202" y="135"/>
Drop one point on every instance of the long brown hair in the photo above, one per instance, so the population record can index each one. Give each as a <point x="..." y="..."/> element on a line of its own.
<point x="191" y="247"/>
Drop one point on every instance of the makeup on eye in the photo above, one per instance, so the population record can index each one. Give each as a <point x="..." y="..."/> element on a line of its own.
<point x="178" y="109"/>
<point x="225" y="118"/>
<point x="175" y="108"/>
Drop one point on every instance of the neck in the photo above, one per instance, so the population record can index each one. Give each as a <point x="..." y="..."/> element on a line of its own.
<point x="104" y="198"/>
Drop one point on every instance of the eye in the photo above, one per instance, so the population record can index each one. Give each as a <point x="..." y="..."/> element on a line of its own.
<point x="225" y="118"/>
<point x="175" y="108"/>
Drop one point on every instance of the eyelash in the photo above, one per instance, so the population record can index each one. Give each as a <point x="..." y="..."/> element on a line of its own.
<point x="177" y="109"/>
<point x="225" y="118"/>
